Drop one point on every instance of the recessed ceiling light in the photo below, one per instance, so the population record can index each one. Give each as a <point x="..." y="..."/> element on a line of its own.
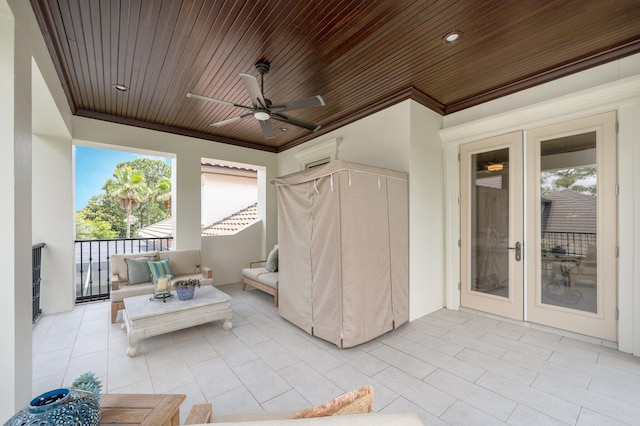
<point x="452" y="36"/>
<point x="283" y="129"/>
<point x="120" y="87"/>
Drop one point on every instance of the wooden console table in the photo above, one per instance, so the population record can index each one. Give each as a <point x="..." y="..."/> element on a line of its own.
<point x="140" y="409"/>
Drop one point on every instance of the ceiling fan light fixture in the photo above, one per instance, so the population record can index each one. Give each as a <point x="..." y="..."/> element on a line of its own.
<point x="451" y="36"/>
<point x="261" y="115"/>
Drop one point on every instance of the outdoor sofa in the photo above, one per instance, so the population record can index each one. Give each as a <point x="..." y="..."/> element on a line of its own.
<point x="128" y="278"/>
<point x="263" y="275"/>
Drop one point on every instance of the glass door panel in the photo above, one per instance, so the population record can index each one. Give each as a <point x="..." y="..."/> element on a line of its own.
<point x="490" y="222"/>
<point x="491" y="234"/>
<point x="569" y="217"/>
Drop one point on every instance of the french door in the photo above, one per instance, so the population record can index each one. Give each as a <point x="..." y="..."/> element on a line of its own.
<point x="572" y="279"/>
<point x="492" y="246"/>
<point x="558" y="222"/>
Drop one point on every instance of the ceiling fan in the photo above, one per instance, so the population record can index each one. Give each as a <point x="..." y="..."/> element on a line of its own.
<point x="262" y="108"/>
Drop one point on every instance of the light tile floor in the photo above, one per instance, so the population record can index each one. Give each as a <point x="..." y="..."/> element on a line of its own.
<point x="451" y="367"/>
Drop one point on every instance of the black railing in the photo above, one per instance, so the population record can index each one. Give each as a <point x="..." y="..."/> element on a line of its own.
<point x="36" y="277"/>
<point x="93" y="271"/>
<point x="570" y="243"/>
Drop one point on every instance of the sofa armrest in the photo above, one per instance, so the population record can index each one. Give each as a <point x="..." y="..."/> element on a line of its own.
<point x="116" y="282"/>
<point x="206" y="272"/>
<point x="257" y="262"/>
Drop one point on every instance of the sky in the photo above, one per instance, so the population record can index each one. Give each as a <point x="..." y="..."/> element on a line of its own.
<point x="94" y="166"/>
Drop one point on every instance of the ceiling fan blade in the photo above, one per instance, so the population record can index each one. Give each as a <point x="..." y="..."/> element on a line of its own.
<point x="251" y="83"/>
<point x="267" y="129"/>
<point x="230" y="120"/>
<point x="311" y="102"/>
<point x="220" y="101"/>
<point x="296" y="122"/>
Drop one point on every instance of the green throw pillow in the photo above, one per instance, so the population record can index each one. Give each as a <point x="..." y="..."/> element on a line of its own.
<point x="159" y="269"/>
<point x="138" y="270"/>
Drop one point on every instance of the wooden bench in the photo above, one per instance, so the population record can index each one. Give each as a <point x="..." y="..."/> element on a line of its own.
<point x="199" y="413"/>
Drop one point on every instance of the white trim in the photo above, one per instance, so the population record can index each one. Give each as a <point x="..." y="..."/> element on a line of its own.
<point x="586" y="102"/>
<point x="328" y="149"/>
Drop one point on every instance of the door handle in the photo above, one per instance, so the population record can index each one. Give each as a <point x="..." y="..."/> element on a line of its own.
<point x="518" y="249"/>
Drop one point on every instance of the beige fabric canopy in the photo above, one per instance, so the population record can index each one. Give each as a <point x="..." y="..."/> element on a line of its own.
<point x="344" y="248"/>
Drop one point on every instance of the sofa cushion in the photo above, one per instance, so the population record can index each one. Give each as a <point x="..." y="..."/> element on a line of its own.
<point x="270" y="279"/>
<point x="159" y="268"/>
<point x="254" y="273"/>
<point x="131" y="290"/>
<point x="272" y="260"/>
<point x="138" y="270"/>
<point x="183" y="262"/>
<point x="118" y="263"/>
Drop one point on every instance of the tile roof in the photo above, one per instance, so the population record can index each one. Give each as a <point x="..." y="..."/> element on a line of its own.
<point x="235" y="222"/>
<point x="227" y="226"/>
<point x="156" y="230"/>
<point x="569" y="211"/>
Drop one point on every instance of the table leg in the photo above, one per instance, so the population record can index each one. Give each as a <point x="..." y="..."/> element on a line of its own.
<point x="227" y="324"/>
<point x="134" y="348"/>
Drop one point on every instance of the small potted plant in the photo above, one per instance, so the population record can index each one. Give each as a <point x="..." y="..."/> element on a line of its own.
<point x="185" y="288"/>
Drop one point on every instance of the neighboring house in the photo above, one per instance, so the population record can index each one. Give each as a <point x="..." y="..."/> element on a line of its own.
<point x="226" y="190"/>
<point x="160" y="229"/>
<point x="234" y="223"/>
<point x="569" y="221"/>
<point x="227" y="226"/>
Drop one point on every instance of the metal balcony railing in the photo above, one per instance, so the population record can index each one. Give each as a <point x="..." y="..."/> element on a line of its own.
<point x="93" y="271"/>
<point x="570" y="243"/>
<point x="36" y="277"/>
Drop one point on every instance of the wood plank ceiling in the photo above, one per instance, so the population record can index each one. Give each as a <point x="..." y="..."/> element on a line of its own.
<point x="359" y="55"/>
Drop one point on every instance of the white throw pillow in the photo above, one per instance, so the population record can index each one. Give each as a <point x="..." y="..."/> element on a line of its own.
<point x="272" y="261"/>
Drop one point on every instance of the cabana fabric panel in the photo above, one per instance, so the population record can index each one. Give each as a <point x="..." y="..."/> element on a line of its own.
<point x="343" y="237"/>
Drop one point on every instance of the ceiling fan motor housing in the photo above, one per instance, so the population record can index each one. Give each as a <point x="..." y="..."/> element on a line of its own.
<point x="263" y="67"/>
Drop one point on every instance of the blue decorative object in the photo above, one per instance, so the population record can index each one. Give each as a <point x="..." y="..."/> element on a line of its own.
<point x="185" y="292"/>
<point x="60" y="407"/>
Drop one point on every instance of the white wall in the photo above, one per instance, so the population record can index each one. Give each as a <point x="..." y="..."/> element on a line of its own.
<point x="51" y="225"/>
<point x="380" y="140"/>
<point x="229" y="254"/>
<point x="610" y="87"/>
<point x="54" y="226"/>
<point x="15" y="215"/>
<point x="426" y="212"/>
<point x="403" y="137"/>
<point x="226" y="194"/>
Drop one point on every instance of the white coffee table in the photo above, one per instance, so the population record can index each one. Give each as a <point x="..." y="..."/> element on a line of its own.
<point x="145" y="318"/>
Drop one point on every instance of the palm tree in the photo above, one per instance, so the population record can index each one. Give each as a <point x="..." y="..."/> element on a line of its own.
<point x="129" y="188"/>
<point x="161" y="194"/>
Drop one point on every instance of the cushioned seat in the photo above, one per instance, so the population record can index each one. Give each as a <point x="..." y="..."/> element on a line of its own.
<point x="270" y="279"/>
<point x="264" y="277"/>
<point x="147" y="288"/>
<point x="254" y="273"/>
